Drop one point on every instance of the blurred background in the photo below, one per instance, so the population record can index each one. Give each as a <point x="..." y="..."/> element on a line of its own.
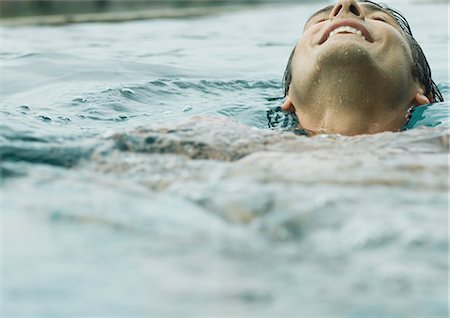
<point x="27" y="8"/>
<point x="68" y="11"/>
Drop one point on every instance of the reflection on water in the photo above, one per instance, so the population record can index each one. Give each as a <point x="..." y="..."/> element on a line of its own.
<point x="140" y="178"/>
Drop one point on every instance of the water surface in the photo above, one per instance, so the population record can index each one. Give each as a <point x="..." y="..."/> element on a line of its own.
<point x="140" y="178"/>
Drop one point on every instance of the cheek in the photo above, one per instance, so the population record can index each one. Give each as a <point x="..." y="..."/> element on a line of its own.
<point x="398" y="45"/>
<point x="400" y="56"/>
<point x="394" y="52"/>
<point x="398" y="64"/>
<point x="312" y="34"/>
<point x="304" y="49"/>
<point x="297" y="64"/>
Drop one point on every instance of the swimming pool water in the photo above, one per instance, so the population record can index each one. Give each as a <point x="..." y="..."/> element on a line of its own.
<point x="139" y="177"/>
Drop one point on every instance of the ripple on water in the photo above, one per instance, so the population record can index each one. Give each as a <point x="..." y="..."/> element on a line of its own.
<point x="248" y="216"/>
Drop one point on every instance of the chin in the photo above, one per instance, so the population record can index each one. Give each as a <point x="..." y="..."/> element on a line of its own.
<point x="345" y="53"/>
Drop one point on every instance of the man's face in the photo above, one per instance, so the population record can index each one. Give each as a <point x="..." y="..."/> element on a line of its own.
<point x="354" y="36"/>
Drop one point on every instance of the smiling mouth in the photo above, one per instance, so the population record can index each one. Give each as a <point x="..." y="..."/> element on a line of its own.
<point x="346" y="26"/>
<point x="346" y="30"/>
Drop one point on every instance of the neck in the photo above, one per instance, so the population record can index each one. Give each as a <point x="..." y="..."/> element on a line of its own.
<point x="348" y="100"/>
<point x="332" y="123"/>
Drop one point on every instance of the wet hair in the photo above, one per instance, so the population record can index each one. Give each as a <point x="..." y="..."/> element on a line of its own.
<point x="420" y="69"/>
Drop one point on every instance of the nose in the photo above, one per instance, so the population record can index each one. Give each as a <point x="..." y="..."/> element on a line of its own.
<point x="346" y="9"/>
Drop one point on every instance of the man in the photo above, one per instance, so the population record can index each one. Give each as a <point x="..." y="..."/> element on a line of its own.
<point x="357" y="70"/>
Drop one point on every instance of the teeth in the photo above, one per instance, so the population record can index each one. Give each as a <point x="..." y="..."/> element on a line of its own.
<point x="347" y="29"/>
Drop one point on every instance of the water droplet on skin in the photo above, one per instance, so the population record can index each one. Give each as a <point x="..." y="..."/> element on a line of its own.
<point x="340" y="100"/>
<point x="340" y="81"/>
<point x="346" y="53"/>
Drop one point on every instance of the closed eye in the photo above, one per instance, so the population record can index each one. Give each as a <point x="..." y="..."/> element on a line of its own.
<point x="320" y="20"/>
<point x="380" y="19"/>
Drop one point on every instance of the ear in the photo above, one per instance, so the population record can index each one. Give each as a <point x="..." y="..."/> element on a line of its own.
<point x="420" y="99"/>
<point x="288" y="106"/>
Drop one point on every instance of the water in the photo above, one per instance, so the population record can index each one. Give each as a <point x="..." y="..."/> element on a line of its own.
<point x="140" y="178"/>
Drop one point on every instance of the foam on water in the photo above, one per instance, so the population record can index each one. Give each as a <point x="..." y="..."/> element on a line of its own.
<point x="140" y="177"/>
